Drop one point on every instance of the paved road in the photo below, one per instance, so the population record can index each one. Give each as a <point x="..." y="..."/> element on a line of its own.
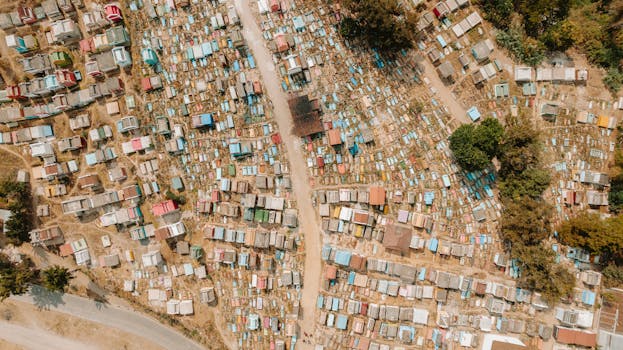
<point x="308" y="222"/>
<point x="35" y="338"/>
<point x="111" y="316"/>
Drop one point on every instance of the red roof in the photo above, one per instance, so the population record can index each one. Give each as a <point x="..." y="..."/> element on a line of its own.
<point x="164" y="207"/>
<point x="113" y="13"/>
<point x="146" y="84"/>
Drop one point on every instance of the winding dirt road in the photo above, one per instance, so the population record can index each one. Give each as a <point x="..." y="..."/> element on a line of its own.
<point x="308" y="222"/>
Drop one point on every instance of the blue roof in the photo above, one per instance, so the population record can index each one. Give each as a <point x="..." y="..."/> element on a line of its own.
<point x="335" y="304"/>
<point x="320" y="301"/>
<point x="177" y="183"/>
<point x="342" y="321"/>
<point x="473" y="113"/>
<point x="298" y="22"/>
<point x="342" y="257"/>
<point x="351" y="277"/>
<point x="428" y="197"/>
<point x="326" y="252"/>
<point x="90" y="158"/>
<point x="441" y="41"/>
<point x="588" y="297"/>
<point x="432" y="244"/>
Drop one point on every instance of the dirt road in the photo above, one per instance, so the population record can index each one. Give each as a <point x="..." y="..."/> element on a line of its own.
<point x="444" y="94"/>
<point x="109" y="315"/>
<point x="308" y="222"/>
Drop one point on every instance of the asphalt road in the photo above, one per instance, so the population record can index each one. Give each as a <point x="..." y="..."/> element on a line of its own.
<point x="308" y="221"/>
<point x="109" y="315"/>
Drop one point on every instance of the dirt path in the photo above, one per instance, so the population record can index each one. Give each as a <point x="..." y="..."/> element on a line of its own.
<point x="308" y="224"/>
<point x="36" y="338"/>
<point x="443" y="93"/>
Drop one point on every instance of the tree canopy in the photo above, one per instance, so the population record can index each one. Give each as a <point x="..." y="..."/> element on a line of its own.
<point x="17" y="197"/>
<point x="14" y="278"/>
<point x="525" y="221"/>
<point x="381" y="24"/>
<point x="539" y="272"/>
<point x="521" y="171"/>
<point x="474" y="146"/>
<point x="529" y="27"/>
<point x="55" y="278"/>
<point x="597" y="236"/>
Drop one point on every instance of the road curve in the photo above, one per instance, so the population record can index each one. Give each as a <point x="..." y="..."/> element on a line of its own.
<point x="111" y="316"/>
<point x="308" y="222"/>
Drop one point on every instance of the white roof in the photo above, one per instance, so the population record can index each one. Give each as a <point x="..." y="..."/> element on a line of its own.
<point x="186" y="307"/>
<point x="420" y="316"/>
<point x="523" y="73"/>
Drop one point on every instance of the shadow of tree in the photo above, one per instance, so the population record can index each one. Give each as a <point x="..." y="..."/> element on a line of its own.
<point x="98" y="295"/>
<point x="44" y="298"/>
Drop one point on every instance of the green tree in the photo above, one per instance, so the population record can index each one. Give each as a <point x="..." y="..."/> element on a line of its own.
<point x="55" y="278"/>
<point x="14" y="278"/>
<point x="530" y="183"/>
<point x="487" y="136"/>
<point x="381" y="24"/>
<point x="475" y="146"/>
<point x="615" y="196"/>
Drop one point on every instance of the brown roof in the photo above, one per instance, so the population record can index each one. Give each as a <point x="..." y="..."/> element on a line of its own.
<point x="161" y="233"/>
<point x="357" y="262"/>
<point x="377" y="195"/>
<point x="575" y="337"/>
<point x="330" y="272"/>
<point x="88" y="180"/>
<point x="307" y="121"/>
<point x="131" y="192"/>
<point x="397" y="238"/>
<point x="334" y="137"/>
<point x="361" y="217"/>
<point x="498" y="345"/>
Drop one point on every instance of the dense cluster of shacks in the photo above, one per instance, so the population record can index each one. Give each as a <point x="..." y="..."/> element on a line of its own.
<point x="204" y="99"/>
<point x="187" y="144"/>
<point x="133" y="157"/>
<point x="407" y="230"/>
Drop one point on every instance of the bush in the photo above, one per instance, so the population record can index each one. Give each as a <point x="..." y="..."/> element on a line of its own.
<point x="613" y="79"/>
<point x="612" y="276"/>
<point x="521" y="48"/>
